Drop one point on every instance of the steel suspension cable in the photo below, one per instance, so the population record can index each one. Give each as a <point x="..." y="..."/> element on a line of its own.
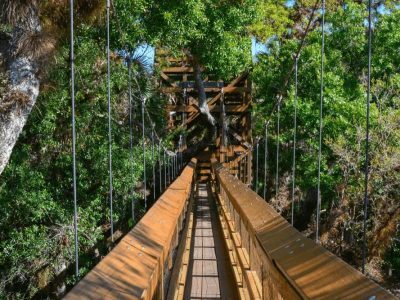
<point x="265" y="160"/>
<point x="176" y="164"/>
<point x="72" y="57"/>
<point x="286" y="80"/>
<point x="366" y="181"/>
<point x="294" y="137"/>
<point x="160" y="165"/>
<point x="181" y="151"/>
<point x="168" y="169"/>
<point x="131" y="134"/>
<point x="173" y="167"/>
<point x="144" y="157"/>
<point x="256" y="181"/>
<point x="277" y="149"/>
<point x="153" y="164"/>
<point x="165" y="171"/>
<point x="320" y="122"/>
<point x="109" y="122"/>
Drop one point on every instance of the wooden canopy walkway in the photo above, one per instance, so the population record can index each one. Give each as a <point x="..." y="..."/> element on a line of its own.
<point x="209" y="236"/>
<point x="220" y="240"/>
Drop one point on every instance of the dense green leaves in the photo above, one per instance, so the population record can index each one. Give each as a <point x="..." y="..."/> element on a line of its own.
<point x="36" y="229"/>
<point x="343" y="151"/>
<point x="36" y="188"/>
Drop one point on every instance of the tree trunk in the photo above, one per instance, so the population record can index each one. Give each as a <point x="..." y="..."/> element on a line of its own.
<point x="203" y="106"/>
<point x="23" y="84"/>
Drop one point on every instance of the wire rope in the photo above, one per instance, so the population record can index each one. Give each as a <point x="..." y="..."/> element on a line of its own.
<point x="320" y="122"/>
<point x="110" y="171"/>
<point x="160" y="166"/>
<point x="72" y="57"/>
<point x="294" y="138"/>
<point x="144" y="157"/>
<point x="265" y="160"/>
<point x="153" y="164"/>
<point x="366" y="199"/>
<point x="129" y="61"/>
<point x="256" y="181"/>
<point x="278" y="122"/>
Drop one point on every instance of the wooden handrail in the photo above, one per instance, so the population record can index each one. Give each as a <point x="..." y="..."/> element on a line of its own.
<point x="140" y="265"/>
<point x="286" y="263"/>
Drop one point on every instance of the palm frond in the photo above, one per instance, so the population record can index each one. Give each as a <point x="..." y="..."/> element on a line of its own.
<point x="35" y="45"/>
<point x="19" y="12"/>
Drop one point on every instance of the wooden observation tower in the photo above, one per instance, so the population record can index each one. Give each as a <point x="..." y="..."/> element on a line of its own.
<point x="229" y="103"/>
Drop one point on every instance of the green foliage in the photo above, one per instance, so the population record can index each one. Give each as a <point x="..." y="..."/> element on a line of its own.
<point x="343" y="164"/>
<point x="216" y="33"/>
<point x="36" y="228"/>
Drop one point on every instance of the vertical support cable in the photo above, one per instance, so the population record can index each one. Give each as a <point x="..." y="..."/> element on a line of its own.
<point x="176" y="164"/>
<point x="320" y="122"/>
<point x="144" y="157"/>
<point x="240" y="170"/>
<point x="294" y="138"/>
<point x="265" y="160"/>
<point x="160" y="165"/>
<point x="171" y="174"/>
<point x="165" y="171"/>
<point x="172" y="168"/>
<point x="245" y="169"/>
<point x="131" y="134"/>
<point x="256" y="181"/>
<point x="109" y="122"/>
<point x="181" y="151"/>
<point x="366" y="200"/>
<point x="277" y="149"/>
<point x="169" y="168"/>
<point x="153" y="164"/>
<point x="72" y="56"/>
<point x="223" y="133"/>
<point x="175" y="169"/>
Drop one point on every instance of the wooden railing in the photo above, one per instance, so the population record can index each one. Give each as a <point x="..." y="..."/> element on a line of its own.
<point x="139" y="267"/>
<point x="272" y="260"/>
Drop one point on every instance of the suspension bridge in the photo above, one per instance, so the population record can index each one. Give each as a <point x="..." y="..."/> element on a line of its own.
<point x="208" y="235"/>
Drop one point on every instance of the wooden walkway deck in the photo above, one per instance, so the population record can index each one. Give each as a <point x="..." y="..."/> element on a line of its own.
<point x="209" y="275"/>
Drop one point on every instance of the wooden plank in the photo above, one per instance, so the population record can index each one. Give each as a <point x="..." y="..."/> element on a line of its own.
<point x="193" y="108"/>
<point x="210" y="288"/>
<point x="178" y="70"/>
<point x="206" y="271"/>
<point x="227" y="90"/>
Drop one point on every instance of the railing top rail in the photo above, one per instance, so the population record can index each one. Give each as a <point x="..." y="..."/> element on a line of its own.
<point x="133" y="268"/>
<point x="297" y="263"/>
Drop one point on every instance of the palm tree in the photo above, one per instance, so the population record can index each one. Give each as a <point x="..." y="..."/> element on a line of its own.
<point x="24" y="54"/>
<point x="21" y="63"/>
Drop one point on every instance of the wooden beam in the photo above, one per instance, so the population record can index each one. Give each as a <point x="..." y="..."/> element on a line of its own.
<point x="178" y="70"/>
<point x="239" y="108"/>
<point x="168" y="80"/>
<point x="227" y="90"/>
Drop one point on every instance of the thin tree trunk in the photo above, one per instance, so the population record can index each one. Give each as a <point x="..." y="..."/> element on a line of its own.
<point x="22" y="89"/>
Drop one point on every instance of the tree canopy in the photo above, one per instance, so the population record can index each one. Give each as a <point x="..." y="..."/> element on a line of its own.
<point x="36" y="229"/>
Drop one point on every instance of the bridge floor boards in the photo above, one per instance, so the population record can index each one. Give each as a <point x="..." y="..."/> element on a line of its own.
<point x="209" y="275"/>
